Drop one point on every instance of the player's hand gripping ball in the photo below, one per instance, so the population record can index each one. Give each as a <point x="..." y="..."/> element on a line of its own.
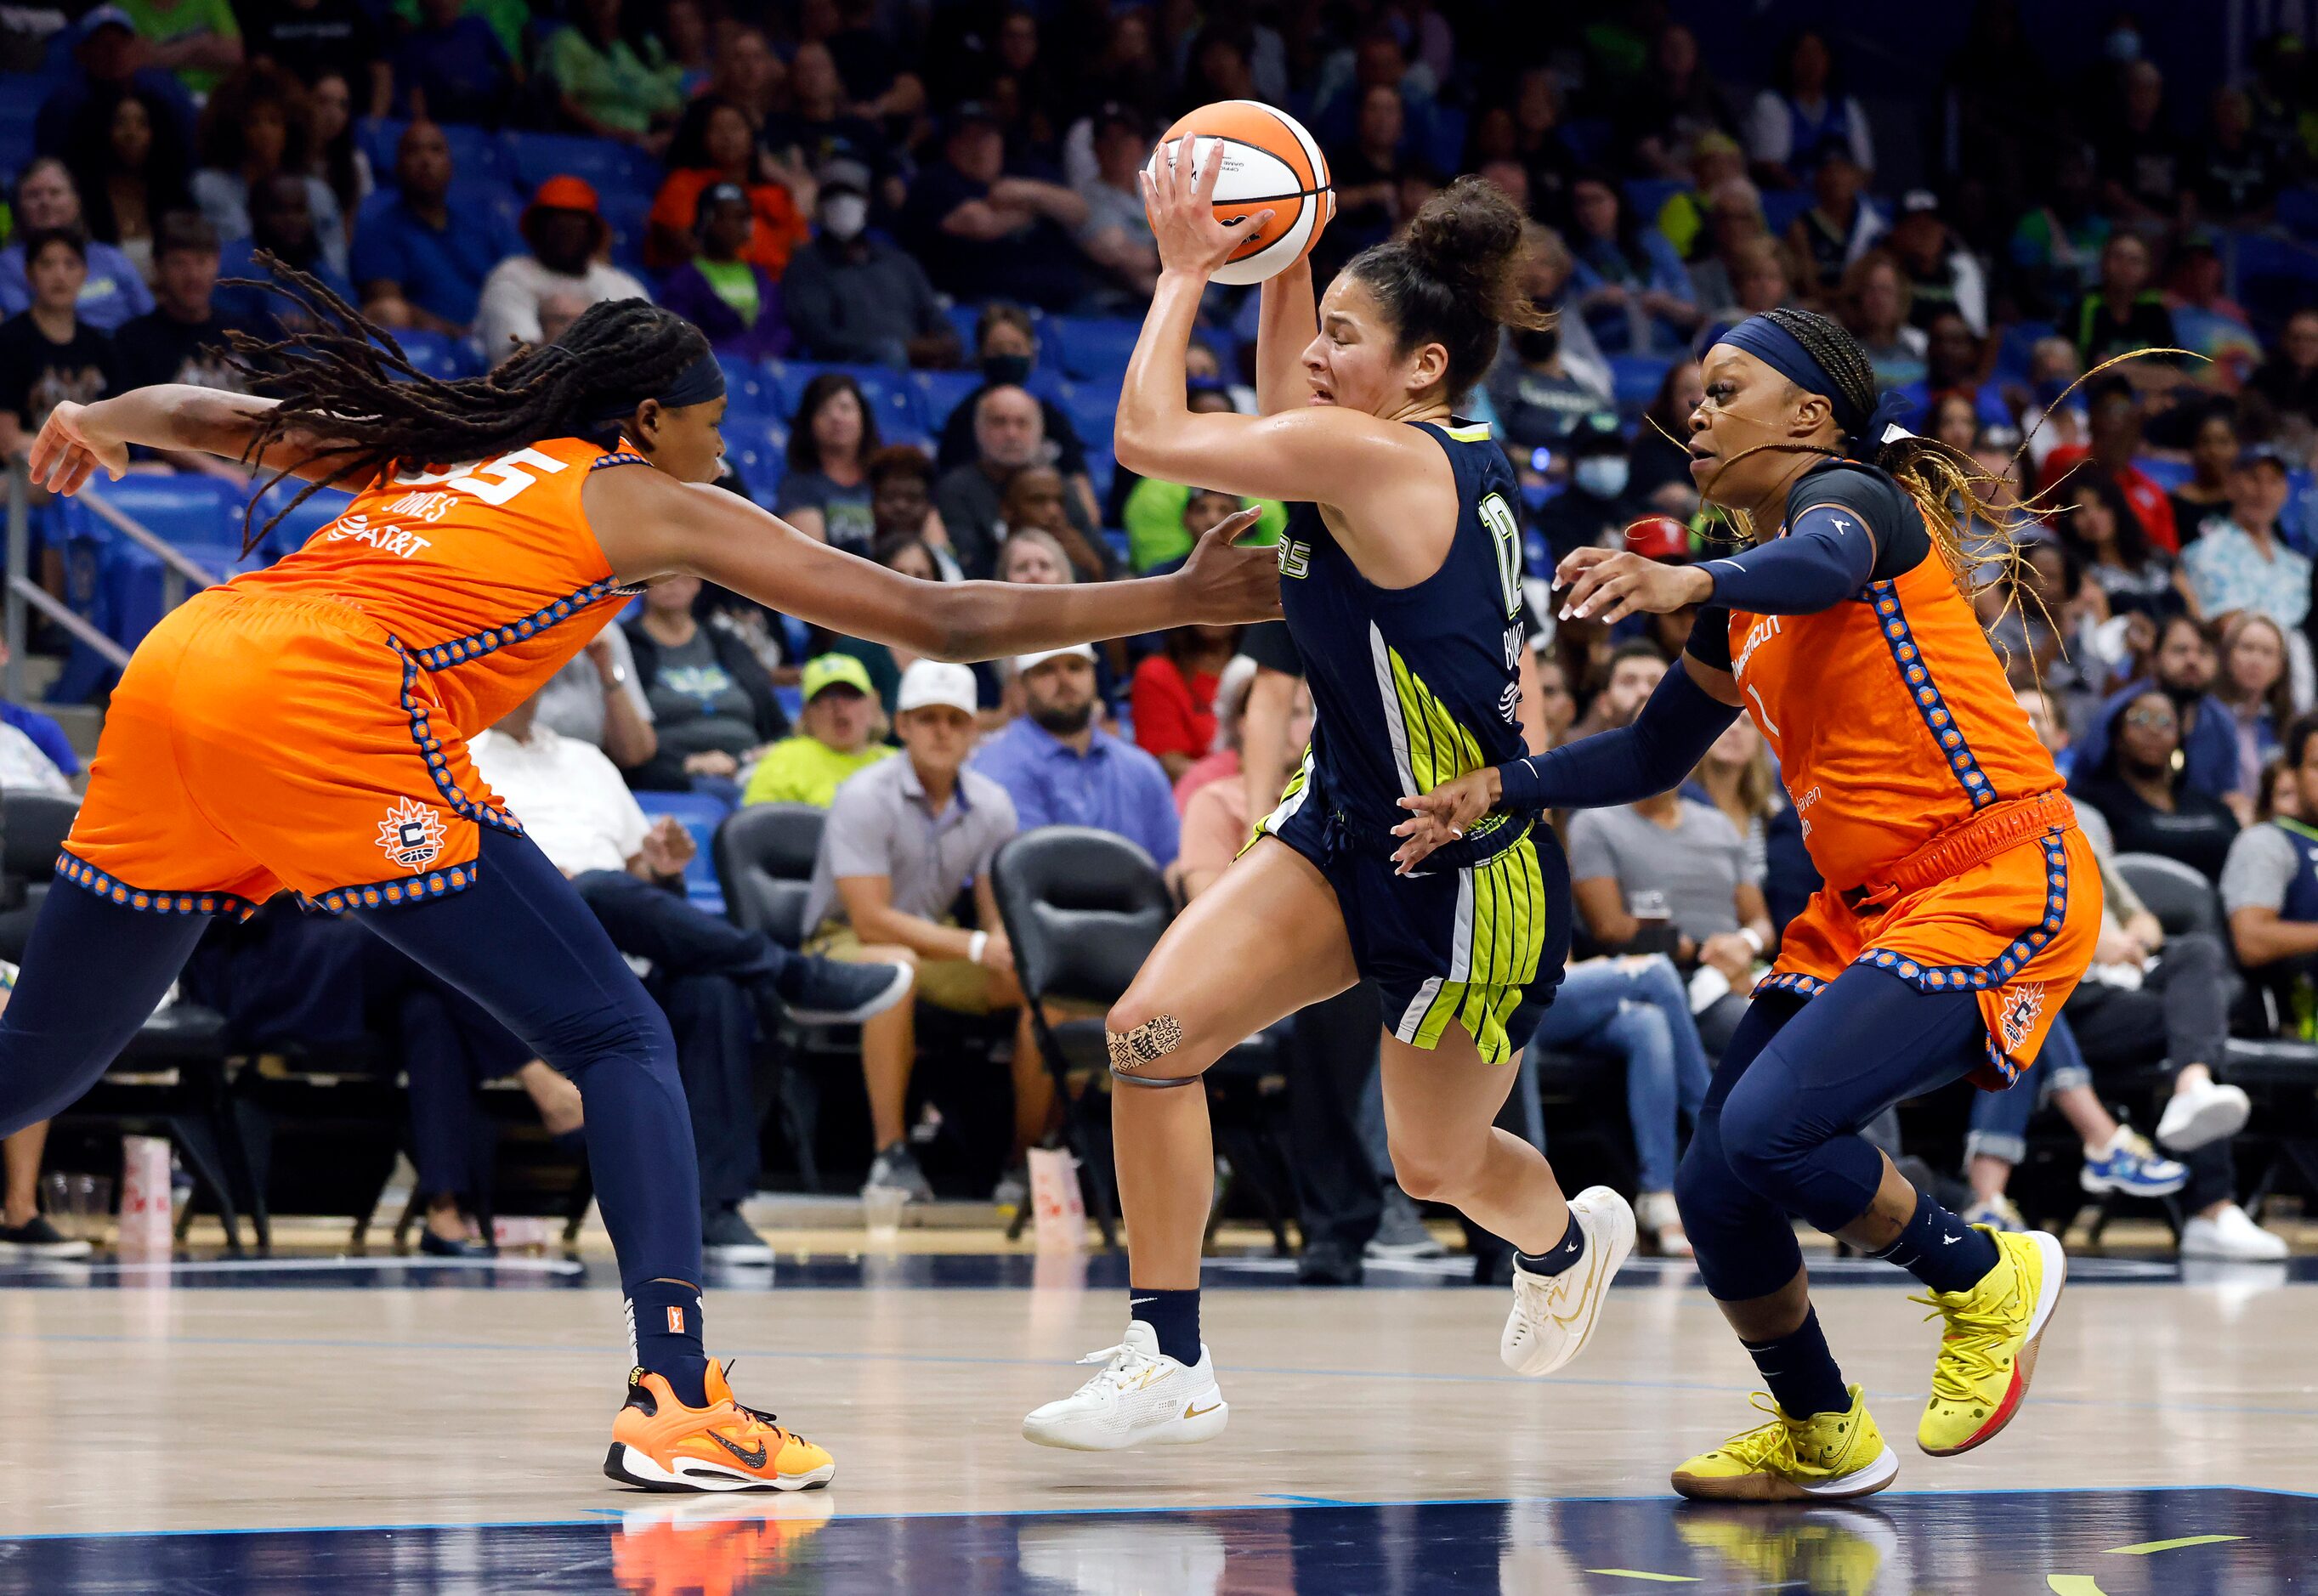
<point x="1246" y="160"/>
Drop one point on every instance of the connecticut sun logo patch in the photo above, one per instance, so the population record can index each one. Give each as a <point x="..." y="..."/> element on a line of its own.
<point x="411" y="834"/>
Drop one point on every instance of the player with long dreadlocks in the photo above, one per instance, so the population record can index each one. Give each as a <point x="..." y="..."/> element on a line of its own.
<point x="1960" y="903"/>
<point x="304" y="728"/>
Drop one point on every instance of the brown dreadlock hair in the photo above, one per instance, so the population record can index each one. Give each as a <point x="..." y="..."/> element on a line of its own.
<point x="346" y="377"/>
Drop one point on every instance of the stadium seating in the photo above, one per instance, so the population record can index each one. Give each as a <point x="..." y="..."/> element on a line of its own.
<point x="1093" y="346"/>
<point x="181" y="509"/>
<point x="699" y="814"/>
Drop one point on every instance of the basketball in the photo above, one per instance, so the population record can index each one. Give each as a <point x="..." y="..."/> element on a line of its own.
<point x="1270" y="163"/>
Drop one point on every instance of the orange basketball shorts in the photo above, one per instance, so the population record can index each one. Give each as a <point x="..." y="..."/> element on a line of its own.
<point x="2016" y="928"/>
<point x="258" y="743"/>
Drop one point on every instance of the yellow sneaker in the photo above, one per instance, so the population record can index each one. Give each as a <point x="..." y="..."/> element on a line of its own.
<point x="1987" y="1353"/>
<point x="1826" y="1457"/>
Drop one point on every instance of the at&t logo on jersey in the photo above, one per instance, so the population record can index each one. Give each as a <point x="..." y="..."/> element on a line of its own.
<point x="411" y="834"/>
<point x="355" y="527"/>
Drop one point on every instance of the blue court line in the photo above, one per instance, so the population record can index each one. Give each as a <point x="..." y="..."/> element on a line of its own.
<point x="948" y="1360"/>
<point x="603" y="1517"/>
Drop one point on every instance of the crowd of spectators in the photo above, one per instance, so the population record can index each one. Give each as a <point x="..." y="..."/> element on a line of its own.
<point x="887" y="219"/>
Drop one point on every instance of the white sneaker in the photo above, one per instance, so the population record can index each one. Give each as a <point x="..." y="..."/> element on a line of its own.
<point x="1140" y="1398"/>
<point x="2234" y="1235"/>
<point x="1657" y="1217"/>
<point x="2203" y="1113"/>
<point x="1553" y="1314"/>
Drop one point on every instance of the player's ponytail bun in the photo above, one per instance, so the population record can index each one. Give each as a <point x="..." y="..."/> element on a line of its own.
<point x="1458" y="276"/>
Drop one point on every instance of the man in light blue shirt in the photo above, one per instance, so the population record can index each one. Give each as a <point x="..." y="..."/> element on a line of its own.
<point x="1061" y="769"/>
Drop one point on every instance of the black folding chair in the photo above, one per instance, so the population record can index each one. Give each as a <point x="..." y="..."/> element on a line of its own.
<point x="1083" y="910"/>
<point x="764" y="854"/>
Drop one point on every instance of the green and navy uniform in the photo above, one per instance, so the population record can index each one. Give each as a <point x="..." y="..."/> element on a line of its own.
<point x="1413" y="687"/>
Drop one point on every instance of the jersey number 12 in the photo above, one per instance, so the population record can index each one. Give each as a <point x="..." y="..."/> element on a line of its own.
<point x="1504" y="532"/>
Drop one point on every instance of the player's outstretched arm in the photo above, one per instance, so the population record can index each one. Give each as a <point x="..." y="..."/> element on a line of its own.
<point x="79" y="440"/>
<point x="1694" y="704"/>
<point x="650" y="524"/>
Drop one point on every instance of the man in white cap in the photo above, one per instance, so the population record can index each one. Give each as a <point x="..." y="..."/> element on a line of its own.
<point x="904" y="838"/>
<point x="1061" y="769"/>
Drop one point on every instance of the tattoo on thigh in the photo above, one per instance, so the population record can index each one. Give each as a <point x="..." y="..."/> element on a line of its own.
<point x="1147" y="1043"/>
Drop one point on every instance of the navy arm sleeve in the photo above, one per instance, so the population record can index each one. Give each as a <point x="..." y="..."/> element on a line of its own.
<point x="1666" y="742"/>
<point x="1826" y="556"/>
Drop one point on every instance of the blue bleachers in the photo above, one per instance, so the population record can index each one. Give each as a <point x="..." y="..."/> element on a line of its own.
<point x="757" y="442"/>
<point x="750" y="386"/>
<point x="2013" y="349"/>
<point x="183" y="509"/>
<point x="1634" y="380"/>
<point x="21" y="93"/>
<point x="1782" y="206"/>
<point x="321" y="507"/>
<point x="941" y="392"/>
<point x="1094" y="345"/>
<point x="699" y="814"/>
<point x="441" y="355"/>
<point x="2297" y="211"/>
<point x="2171" y="475"/>
<point x="534" y="158"/>
<point x="478" y="154"/>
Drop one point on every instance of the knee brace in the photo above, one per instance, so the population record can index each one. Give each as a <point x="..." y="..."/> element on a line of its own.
<point x="1133" y="1051"/>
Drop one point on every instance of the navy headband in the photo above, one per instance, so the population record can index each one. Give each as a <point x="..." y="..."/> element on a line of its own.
<point x="1779" y="349"/>
<point x="697" y="384"/>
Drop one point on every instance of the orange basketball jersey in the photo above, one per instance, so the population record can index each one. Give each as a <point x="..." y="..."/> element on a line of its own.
<point x="485" y="572"/>
<point x="305" y="727"/>
<point x="1890" y="719"/>
<point x="1951" y="855"/>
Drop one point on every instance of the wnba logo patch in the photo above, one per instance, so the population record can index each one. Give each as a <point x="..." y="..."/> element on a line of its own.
<point x="2019" y="1014"/>
<point x="411" y="834"/>
<point x="675" y="1321"/>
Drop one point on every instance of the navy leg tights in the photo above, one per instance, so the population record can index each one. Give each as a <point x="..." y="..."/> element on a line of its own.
<point x="1778" y="1135"/>
<point x="519" y="941"/>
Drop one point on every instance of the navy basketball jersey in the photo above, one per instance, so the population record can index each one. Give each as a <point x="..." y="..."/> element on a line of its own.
<point x="1412" y="686"/>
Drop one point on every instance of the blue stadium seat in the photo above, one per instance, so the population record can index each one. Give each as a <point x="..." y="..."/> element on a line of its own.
<point x="1634" y="379"/>
<point x="441" y="355"/>
<point x="1782" y="206"/>
<point x="752" y="386"/>
<point x="182" y="510"/>
<point x="2171" y="475"/>
<point x="1647" y="196"/>
<point x="1050" y="362"/>
<point x="2297" y="211"/>
<point x="699" y="814"/>
<point x="2274" y="276"/>
<point x="1093" y="410"/>
<point x="626" y="206"/>
<point x="1094" y="345"/>
<point x="1588" y="138"/>
<point x="1447" y="150"/>
<point x="941" y="392"/>
<point x="538" y="157"/>
<point x="2015" y="347"/>
<point x="21" y="93"/>
<point x="757" y="444"/>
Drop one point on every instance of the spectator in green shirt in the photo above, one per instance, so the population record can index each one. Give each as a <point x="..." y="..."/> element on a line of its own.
<point x="840" y="732"/>
<point x="1158" y="516"/>
<point x="616" y="81"/>
<point x="197" y="39"/>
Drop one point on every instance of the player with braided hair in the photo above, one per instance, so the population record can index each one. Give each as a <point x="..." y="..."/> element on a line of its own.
<point x="304" y="728"/>
<point x="1961" y="901"/>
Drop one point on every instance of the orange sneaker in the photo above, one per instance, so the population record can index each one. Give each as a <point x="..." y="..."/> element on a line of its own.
<point x="662" y="1445"/>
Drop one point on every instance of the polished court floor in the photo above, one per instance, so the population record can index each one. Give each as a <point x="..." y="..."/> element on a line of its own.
<point x="311" y="1426"/>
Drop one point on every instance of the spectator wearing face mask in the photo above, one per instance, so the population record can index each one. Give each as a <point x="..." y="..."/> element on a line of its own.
<point x="1006" y="346"/>
<point x="855" y="298"/>
<point x="1595" y="509"/>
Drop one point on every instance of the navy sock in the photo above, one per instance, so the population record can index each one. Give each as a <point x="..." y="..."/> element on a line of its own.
<point x="664" y="1337"/>
<point x="1801" y="1371"/>
<point x="1173" y="1317"/>
<point x="1940" y="1249"/>
<point x="1559" y="1257"/>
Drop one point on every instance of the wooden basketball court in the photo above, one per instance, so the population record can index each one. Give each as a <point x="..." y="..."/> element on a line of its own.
<point x="299" y="1423"/>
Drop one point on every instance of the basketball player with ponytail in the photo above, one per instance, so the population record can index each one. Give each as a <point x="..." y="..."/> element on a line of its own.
<point x="1961" y="903"/>
<point x="304" y="728"/>
<point x="1400" y="570"/>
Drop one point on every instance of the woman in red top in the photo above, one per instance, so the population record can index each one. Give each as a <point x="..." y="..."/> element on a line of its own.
<point x="713" y="144"/>
<point x="1173" y="696"/>
<point x="305" y="727"/>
